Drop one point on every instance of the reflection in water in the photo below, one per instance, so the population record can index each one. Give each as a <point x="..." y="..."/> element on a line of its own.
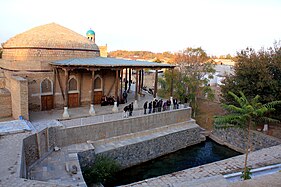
<point x="203" y="153"/>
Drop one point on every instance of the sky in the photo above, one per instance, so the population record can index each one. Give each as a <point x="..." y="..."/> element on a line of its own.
<point x="220" y="27"/>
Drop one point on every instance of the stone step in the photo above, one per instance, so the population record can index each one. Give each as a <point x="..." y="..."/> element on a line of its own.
<point x="132" y="138"/>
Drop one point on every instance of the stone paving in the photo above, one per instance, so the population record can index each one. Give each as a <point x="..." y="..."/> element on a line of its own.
<point x="58" y="166"/>
<point x="14" y="126"/>
<point x="10" y="154"/>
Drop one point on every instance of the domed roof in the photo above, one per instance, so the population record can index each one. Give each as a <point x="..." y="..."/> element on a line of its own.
<point x="50" y="36"/>
<point x="90" y="32"/>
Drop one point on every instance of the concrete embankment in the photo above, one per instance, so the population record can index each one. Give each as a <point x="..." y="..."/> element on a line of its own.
<point x="132" y="149"/>
<point x="131" y="141"/>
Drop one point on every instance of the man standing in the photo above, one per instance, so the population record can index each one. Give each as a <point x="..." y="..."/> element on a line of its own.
<point x="131" y="108"/>
<point x="125" y="95"/>
<point x="145" y="107"/>
<point x="150" y="107"/>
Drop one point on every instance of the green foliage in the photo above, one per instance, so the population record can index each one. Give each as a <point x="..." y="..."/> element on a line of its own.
<point x="191" y="77"/>
<point x="246" y="175"/>
<point x="245" y="113"/>
<point x="256" y="73"/>
<point x="103" y="170"/>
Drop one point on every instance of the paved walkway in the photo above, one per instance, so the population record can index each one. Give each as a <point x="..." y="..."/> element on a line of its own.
<point x="84" y="111"/>
<point x="58" y="166"/>
<point x="14" y="126"/>
<point x="10" y="154"/>
<point x="80" y="115"/>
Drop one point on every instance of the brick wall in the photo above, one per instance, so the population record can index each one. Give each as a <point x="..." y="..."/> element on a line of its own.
<point x="5" y="103"/>
<point x="103" y="51"/>
<point x="19" y="95"/>
<point x="45" y="55"/>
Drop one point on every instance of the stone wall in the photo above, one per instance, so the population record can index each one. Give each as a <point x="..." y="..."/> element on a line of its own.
<point x="30" y="150"/>
<point x="18" y="87"/>
<point x="134" y="154"/>
<point x="5" y="103"/>
<point x="236" y="139"/>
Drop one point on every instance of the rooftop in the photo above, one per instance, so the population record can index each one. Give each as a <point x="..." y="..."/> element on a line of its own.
<point x="109" y="62"/>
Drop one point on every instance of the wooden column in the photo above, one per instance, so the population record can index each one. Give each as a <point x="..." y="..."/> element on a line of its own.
<point x="116" y="84"/>
<point x="137" y="82"/>
<point x="130" y="77"/>
<point x="80" y="87"/>
<point x="172" y="83"/>
<point x="66" y="73"/>
<point x="121" y="82"/>
<point x="126" y="79"/>
<point x="54" y="86"/>
<point x="93" y="87"/>
<point x="142" y="78"/>
<point x="155" y="84"/>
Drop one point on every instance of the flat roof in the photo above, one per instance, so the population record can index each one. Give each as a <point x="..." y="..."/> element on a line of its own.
<point x="104" y="62"/>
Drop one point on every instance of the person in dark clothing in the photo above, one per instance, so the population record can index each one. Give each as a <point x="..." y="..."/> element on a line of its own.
<point x="145" y="107"/>
<point x="131" y="108"/>
<point x="149" y="107"/>
<point x="165" y="106"/>
<point x="126" y="110"/>
<point x="168" y="104"/>
<point x="176" y="103"/>
<point x="160" y="105"/>
<point x="154" y="105"/>
<point x="125" y="95"/>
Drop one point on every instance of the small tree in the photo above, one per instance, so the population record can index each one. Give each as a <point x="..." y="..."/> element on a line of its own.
<point x="103" y="170"/>
<point x="245" y="115"/>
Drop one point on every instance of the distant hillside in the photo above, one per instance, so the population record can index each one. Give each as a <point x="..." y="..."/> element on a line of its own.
<point x="167" y="57"/>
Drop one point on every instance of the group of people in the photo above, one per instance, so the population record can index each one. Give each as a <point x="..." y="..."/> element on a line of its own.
<point x="159" y="105"/>
<point x="152" y="106"/>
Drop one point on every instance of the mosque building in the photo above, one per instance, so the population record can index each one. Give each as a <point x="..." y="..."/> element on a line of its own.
<point x="52" y="67"/>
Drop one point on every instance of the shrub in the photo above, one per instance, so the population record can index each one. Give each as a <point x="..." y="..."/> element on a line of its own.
<point x="103" y="170"/>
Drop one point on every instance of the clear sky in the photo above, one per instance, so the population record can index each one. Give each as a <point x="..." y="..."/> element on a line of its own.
<point x="218" y="26"/>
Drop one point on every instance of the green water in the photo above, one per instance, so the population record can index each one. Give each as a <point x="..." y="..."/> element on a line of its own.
<point x="203" y="153"/>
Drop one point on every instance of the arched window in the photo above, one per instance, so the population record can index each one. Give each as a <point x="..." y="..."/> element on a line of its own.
<point x="98" y="83"/>
<point x="46" y="86"/>
<point x="73" y="84"/>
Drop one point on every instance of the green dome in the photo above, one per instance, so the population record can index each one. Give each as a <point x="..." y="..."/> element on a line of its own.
<point x="90" y="32"/>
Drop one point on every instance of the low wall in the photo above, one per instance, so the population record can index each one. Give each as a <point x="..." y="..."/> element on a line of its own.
<point x="79" y="134"/>
<point x="137" y="153"/>
<point x="236" y="139"/>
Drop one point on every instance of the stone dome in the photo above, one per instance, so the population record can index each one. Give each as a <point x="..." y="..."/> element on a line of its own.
<point x="46" y="43"/>
<point x="50" y="36"/>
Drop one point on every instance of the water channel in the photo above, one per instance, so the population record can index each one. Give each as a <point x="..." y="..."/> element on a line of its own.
<point x="196" y="155"/>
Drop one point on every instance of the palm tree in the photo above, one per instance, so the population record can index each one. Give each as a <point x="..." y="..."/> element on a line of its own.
<point x="245" y="115"/>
